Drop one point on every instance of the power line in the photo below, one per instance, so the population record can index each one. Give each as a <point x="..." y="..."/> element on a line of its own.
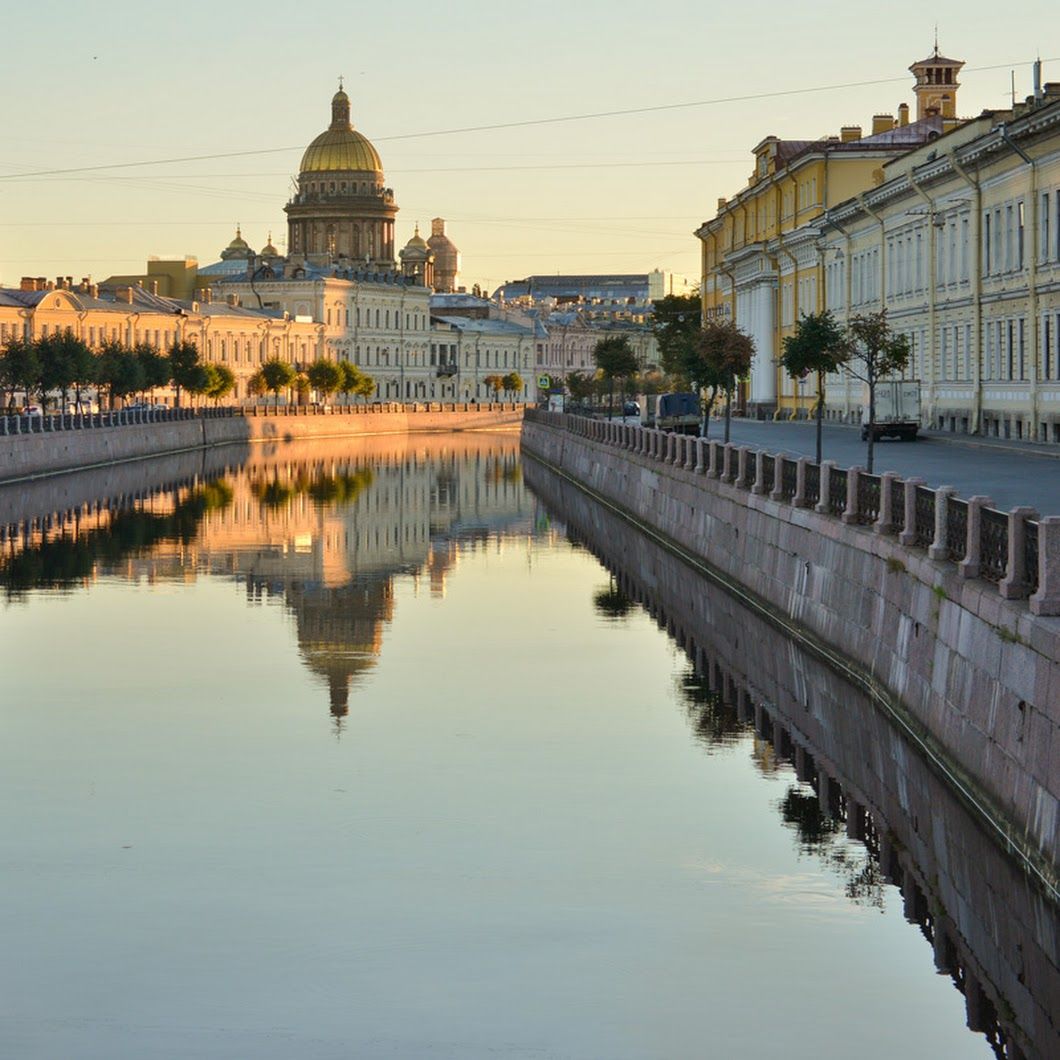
<point x="523" y="124"/>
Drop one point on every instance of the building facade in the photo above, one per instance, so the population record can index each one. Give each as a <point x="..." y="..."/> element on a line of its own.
<point x="960" y="245"/>
<point x="761" y="264"/>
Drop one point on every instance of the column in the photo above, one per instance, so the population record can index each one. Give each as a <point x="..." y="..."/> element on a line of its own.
<point x="938" y="548"/>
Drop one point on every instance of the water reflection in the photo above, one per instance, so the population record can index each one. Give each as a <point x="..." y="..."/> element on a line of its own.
<point x="860" y="799"/>
<point x="321" y="534"/>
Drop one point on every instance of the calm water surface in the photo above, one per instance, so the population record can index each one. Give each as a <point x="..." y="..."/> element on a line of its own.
<point x="350" y="751"/>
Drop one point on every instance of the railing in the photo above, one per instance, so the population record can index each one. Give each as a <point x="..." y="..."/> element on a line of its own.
<point x="813" y="484"/>
<point x="956" y="528"/>
<point x="1024" y="573"/>
<point x="837" y="491"/>
<point x="924" y="516"/>
<point x="897" y="506"/>
<point x="14" y="425"/>
<point x="789" y="479"/>
<point x="769" y="471"/>
<point x="868" y="498"/>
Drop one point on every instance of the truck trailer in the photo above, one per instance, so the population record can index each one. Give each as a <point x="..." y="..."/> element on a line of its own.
<point x="897" y="411"/>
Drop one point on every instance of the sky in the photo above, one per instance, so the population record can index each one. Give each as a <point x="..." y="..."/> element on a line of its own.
<point x="87" y="86"/>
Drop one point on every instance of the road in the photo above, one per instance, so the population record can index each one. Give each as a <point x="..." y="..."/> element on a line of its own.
<point x="1010" y="477"/>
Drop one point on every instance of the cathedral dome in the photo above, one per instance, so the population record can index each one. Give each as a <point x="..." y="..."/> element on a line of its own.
<point x="340" y="148"/>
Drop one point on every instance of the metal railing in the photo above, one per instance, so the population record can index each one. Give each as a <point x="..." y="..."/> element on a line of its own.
<point x="813" y="484"/>
<point x="837" y="491"/>
<point x="868" y="498"/>
<point x="993" y="544"/>
<point x="924" y="516"/>
<point x="956" y="528"/>
<point x="897" y="506"/>
<point x="789" y="479"/>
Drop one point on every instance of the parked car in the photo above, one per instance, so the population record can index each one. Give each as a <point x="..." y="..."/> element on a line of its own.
<point x="32" y="410"/>
<point x="631" y="408"/>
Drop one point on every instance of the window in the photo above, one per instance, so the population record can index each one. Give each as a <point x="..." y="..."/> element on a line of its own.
<point x="1019" y="235"/>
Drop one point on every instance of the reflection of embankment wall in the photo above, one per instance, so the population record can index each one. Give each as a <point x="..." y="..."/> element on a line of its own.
<point x="986" y="706"/>
<point x="52" y="452"/>
<point x="990" y="925"/>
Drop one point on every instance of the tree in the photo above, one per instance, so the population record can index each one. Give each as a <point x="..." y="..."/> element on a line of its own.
<point x="200" y="379"/>
<point x="722" y="357"/>
<point x="875" y="353"/>
<point x="256" y="384"/>
<point x="156" y="367"/>
<point x="119" y="370"/>
<point x="615" y="358"/>
<point x="326" y="377"/>
<point x="579" y="385"/>
<point x="513" y="382"/>
<point x="183" y="362"/>
<point x="61" y="357"/>
<point x="365" y="387"/>
<point x="276" y="375"/>
<point x="222" y="381"/>
<point x="19" y="367"/>
<point x="675" y="322"/>
<point x="494" y="383"/>
<point x="818" y="346"/>
<point x="351" y="376"/>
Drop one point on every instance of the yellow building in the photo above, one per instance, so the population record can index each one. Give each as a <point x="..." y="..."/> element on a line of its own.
<point x="761" y="260"/>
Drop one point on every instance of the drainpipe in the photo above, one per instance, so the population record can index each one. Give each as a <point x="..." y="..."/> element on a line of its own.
<point x="780" y="322"/>
<point x="1032" y="271"/>
<point x="976" y="270"/>
<point x="929" y="353"/>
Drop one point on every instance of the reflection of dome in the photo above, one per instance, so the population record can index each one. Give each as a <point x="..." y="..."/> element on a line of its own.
<point x="340" y="632"/>
<point x="341" y="147"/>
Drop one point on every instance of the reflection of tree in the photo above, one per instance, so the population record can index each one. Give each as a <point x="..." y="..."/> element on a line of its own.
<point x="503" y="468"/>
<point x="66" y="561"/>
<point x="611" y="602"/>
<point x="278" y="491"/>
<point x="717" y="723"/>
<point x="819" y="834"/>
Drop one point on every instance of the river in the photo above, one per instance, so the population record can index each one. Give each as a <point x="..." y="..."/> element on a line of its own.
<point x="400" y="747"/>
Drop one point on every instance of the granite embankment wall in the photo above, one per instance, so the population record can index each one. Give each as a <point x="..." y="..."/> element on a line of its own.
<point x="974" y="678"/>
<point x="870" y="780"/>
<point x="56" y="450"/>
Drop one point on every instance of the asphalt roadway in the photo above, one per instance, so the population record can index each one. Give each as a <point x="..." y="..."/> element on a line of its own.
<point x="1008" y="474"/>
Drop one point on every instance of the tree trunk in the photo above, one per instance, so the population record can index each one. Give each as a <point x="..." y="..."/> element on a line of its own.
<point x="872" y="425"/>
<point x="611" y="400"/>
<point x="728" y="414"/>
<point x="820" y="413"/>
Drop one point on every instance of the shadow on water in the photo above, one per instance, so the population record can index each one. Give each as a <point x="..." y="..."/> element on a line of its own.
<point x="860" y="797"/>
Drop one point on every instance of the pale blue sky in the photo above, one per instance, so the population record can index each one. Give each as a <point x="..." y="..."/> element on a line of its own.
<point x="88" y="85"/>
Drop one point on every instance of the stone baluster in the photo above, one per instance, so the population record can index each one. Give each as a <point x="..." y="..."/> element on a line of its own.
<point x="938" y="549"/>
<point x="759" y="485"/>
<point x="701" y="456"/>
<point x="728" y="468"/>
<point x="743" y="461"/>
<point x="850" y="510"/>
<point x="883" y="524"/>
<point x="1046" y="600"/>
<point x="826" y="487"/>
<point x="908" y="535"/>
<point x="969" y="567"/>
<point x="1015" y="585"/>
<point x="777" y="493"/>
<point x="716" y="455"/>
<point x="690" y="452"/>
<point x="800" y="499"/>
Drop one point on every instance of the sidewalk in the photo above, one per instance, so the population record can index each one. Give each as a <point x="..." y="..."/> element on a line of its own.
<point x="969" y="441"/>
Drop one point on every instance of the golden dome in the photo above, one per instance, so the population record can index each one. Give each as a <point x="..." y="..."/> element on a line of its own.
<point x="341" y="147"/>
<point x="417" y="241"/>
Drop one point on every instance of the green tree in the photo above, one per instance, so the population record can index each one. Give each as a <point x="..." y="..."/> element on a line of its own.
<point x="365" y="387"/>
<point x="615" y="359"/>
<point x="61" y="358"/>
<point x="675" y="322"/>
<point x="579" y="385"/>
<point x="156" y="367"/>
<point x="494" y="383"/>
<point x="222" y="381"/>
<point x="326" y="377"/>
<point x="184" y="367"/>
<point x="876" y="352"/>
<point x="351" y="376"/>
<point x="818" y="346"/>
<point x="513" y="383"/>
<point x="19" y="367"/>
<point x="277" y="375"/>
<point x="722" y="358"/>
<point x="118" y="370"/>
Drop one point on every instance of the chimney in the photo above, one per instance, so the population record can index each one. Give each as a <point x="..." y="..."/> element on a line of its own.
<point x="29" y="283"/>
<point x="69" y="283"/>
<point x="124" y="294"/>
<point x="882" y="123"/>
<point x="721" y="203"/>
<point x="93" y="290"/>
<point x="903" y="114"/>
<point x="849" y="133"/>
<point x="154" y="287"/>
<point x="48" y="286"/>
<point x="232" y="299"/>
<point x="58" y="283"/>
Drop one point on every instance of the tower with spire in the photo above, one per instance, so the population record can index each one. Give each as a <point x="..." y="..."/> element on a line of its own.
<point x="936" y="84"/>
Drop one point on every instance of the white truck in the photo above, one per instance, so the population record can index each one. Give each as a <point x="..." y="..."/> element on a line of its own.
<point x="897" y="410"/>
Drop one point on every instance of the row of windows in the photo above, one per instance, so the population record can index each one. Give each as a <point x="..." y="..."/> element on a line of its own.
<point x="341" y="315"/>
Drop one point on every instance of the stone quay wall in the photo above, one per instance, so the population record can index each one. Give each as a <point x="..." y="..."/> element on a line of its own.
<point x="870" y="780"/>
<point x="58" y="444"/>
<point x="972" y="676"/>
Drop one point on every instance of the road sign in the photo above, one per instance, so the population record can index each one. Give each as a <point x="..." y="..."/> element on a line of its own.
<point x="543" y="382"/>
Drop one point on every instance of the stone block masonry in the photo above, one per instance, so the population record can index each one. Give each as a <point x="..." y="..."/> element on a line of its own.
<point x="973" y="676"/>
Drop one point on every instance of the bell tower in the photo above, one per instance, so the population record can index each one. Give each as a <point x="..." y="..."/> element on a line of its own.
<point x="936" y="85"/>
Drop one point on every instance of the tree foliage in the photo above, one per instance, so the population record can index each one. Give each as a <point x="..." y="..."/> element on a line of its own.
<point x="184" y="367"/>
<point x="719" y="359"/>
<point x="277" y="375"/>
<point x="325" y="377"/>
<point x="675" y="322"/>
<point x="579" y="385"/>
<point x="513" y="383"/>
